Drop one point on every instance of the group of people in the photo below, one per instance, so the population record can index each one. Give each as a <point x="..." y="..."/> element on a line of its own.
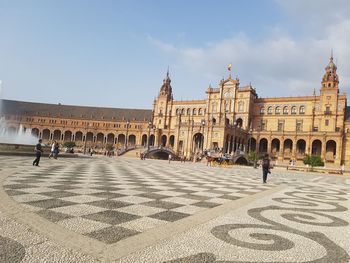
<point x="55" y="149"/>
<point x="39" y="151"/>
<point x="265" y="164"/>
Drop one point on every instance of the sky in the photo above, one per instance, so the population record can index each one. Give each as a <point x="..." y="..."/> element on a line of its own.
<point x="116" y="53"/>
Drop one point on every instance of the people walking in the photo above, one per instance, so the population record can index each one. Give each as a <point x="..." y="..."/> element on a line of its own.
<point x="38" y="151"/>
<point x="170" y="157"/>
<point x="56" y="150"/>
<point x="52" y="149"/>
<point x="265" y="167"/>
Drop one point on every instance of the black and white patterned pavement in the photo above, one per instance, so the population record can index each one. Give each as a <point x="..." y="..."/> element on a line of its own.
<point x="109" y="201"/>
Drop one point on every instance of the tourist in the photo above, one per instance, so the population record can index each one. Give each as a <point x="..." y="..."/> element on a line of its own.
<point x="52" y="149"/>
<point x="265" y="167"/>
<point x="38" y="151"/>
<point x="56" y="150"/>
<point x="170" y="157"/>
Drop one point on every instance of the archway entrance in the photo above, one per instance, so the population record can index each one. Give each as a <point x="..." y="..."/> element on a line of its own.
<point x="251" y="144"/>
<point x="263" y="146"/>
<point x="331" y="149"/>
<point x="163" y="140"/>
<point x="316" y="147"/>
<point x="198" y="139"/>
<point x="301" y="147"/>
<point x="275" y="147"/>
<point x="172" y="140"/>
<point x="288" y="146"/>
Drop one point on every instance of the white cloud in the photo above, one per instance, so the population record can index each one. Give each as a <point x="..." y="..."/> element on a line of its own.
<point x="280" y="64"/>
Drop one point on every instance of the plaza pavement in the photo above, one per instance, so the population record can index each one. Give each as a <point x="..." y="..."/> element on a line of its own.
<point x="127" y="210"/>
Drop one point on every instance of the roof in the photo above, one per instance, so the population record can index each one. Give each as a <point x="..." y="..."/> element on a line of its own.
<point x="12" y="107"/>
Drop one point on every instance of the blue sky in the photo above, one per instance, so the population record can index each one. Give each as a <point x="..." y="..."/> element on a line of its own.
<point x="116" y="53"/>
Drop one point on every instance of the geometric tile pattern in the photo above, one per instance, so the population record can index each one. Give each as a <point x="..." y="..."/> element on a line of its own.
<point x="112" y="200"/>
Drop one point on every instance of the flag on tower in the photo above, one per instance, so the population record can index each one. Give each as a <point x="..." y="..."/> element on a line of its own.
<point x="229" y="67"/>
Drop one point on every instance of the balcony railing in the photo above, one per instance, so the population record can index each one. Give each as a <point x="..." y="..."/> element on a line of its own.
<point x="328" y="112"/>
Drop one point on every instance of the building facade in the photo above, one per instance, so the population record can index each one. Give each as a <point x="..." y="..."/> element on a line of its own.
<point x="232" y="118"/>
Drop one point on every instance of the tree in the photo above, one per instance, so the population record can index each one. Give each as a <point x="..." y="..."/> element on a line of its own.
<point x="69" y="144"/>
<point x="253" y="157"/>
<point x="313" y="160"/>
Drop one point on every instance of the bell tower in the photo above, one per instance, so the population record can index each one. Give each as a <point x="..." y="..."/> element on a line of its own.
<point x="329" y="95"/>
<point x="330" y="78"/>
<point x="163" y="104"/>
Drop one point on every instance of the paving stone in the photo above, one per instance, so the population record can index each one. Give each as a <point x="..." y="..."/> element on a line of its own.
<point x="170" y="216"/>
<point x="53" y="216"/>
<point x="50" y="203"/>
<point x="162" y="204"/>
<point x="111" y="217"/>
<point x="112" y="234"/>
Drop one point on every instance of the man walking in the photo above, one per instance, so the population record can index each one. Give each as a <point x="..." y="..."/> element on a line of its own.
<point x="170" y="157"/>
<point x="38" y="151"/>
<point x="265" y="167"/>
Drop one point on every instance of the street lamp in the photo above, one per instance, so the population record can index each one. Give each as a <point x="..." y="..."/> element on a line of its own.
<point x="250" y="140"/>
<point x="126" y="137"/>
<point x="149" y="134"/>
<point x="234" y="137"/>
<point x="87" y="125"/>
<point x="203" y="124"/>
<point x="154" y="134"/>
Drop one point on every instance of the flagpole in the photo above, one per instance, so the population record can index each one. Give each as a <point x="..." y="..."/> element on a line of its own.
<point x="229" y="67"/>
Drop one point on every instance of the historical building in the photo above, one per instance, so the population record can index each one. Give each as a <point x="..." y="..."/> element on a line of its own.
<point x="231" y="119"/>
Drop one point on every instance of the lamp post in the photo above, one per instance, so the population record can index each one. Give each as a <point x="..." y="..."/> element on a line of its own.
<point x="202" y="139"/>
<point x="149" y="134"/>
<point x="250" y="140"/>
<point x="86" y="131"/>
<point x="126" y="137"/>
<point x="154" y="134"/>
<point x="234" y="137"/>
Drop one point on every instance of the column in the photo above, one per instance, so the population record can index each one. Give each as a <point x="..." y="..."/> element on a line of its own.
<point x="281" y="158"/>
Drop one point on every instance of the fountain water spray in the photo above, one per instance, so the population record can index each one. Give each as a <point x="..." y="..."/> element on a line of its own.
<point x="17" y="135"/>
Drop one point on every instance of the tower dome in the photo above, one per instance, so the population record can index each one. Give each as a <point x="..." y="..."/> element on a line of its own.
<point x="330" y="77"/>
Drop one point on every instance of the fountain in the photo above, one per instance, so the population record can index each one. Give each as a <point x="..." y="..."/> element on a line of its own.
<point x="14" y="141"/>
<point x="21" y="136"/>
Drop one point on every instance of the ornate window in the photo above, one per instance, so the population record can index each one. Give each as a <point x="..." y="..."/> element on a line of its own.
<point x="280" y="126"/>
<point x="269" y="110"/>
<point x="285" y="110"/>
<point x="278" y="110"/>
<point x="302" y="110"/>
<point x="241" y="106"/>
<point x="194" y="112"/>
<point x="188" y="112"/>
<point x="262" y="110"/>
<point x="214" y="108"/>
<point x="294" y="110"/>
<point x="299" y="125"/>
<point x="227" y="106"/>
<point x="200" y="111"/>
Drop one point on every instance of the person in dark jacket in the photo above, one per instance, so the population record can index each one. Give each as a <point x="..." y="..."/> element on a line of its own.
<point x="265" y="167"/>
<point x="38" y="151"/>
